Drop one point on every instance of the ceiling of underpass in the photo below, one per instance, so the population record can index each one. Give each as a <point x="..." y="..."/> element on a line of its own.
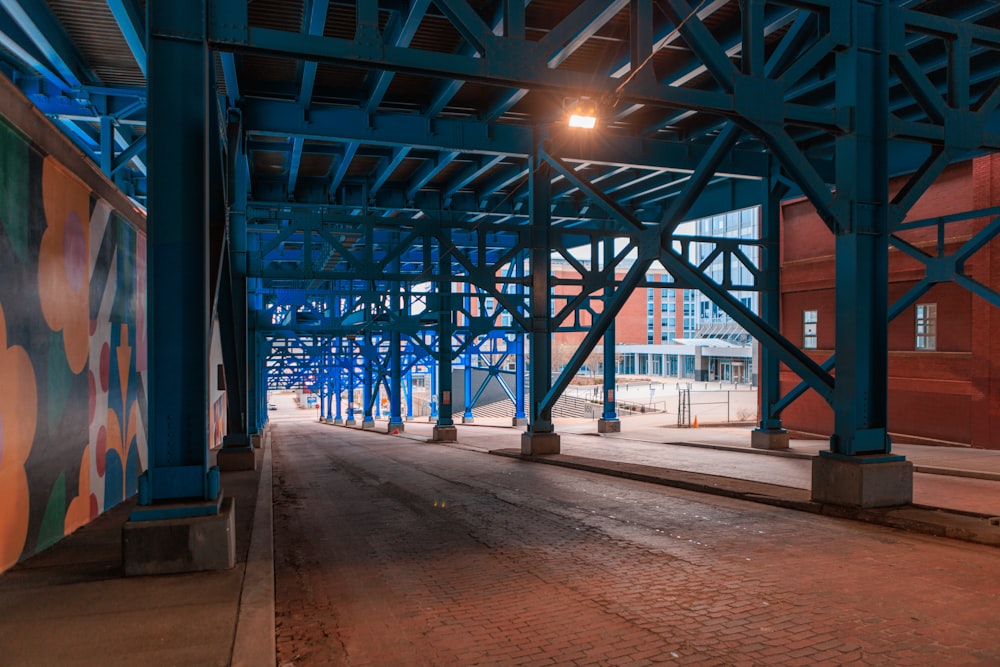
<point x="84" y="59"/>
<point x="357" y="116"/>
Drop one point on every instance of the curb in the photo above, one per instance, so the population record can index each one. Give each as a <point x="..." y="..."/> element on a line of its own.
<point x="254" y="642"/>
<point x="965" y="526"/>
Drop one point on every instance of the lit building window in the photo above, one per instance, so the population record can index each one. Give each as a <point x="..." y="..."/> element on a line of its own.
<point x="926" y="326"/>
<point x="809" y="321"/>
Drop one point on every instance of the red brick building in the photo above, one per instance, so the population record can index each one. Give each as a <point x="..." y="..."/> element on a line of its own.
<point x="944" y="350"/>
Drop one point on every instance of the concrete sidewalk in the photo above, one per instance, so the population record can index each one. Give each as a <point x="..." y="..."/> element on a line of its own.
<point x="71" y="604"/>
<point x="956" y="491"/>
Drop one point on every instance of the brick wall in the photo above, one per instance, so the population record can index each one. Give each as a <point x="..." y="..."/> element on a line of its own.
<point x="943" y="395"/>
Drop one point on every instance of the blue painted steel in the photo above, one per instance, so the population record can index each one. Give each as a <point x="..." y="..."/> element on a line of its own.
<point x="609" y="400"/>
<point x="177" y="257"/>
<point x="769" y="370"/>
<point x="350" y="383"/>
<point x="467" y="396"/>
<point x="44" y="31"/>
<point x="860" y="397"/>
<point x="368" y="383"/>
<point x="409" y="393"/>
<point x="444" y="356"/>
<point x="293" y="165"/>
<point x="400" y="34"/>
<point x="540" y="293"/>
<point x="133" y="28"/>
<point x="285" y="119"/>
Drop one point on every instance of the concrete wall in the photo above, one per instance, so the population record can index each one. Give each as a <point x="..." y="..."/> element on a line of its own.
<point x="945" y="395"/>
<point x="72" y="336"/>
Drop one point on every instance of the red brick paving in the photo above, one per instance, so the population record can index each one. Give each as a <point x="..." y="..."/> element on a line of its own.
<point x="390" y="552"/>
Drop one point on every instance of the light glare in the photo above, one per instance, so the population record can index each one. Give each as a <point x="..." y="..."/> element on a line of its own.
<point x="578" y="120"/>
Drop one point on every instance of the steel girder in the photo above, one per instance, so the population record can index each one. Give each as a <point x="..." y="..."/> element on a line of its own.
<point x="823" y="131"/>
<point x="756" y="96"/>
<point x="177" y="264"/>
<point x="50" y="70"/>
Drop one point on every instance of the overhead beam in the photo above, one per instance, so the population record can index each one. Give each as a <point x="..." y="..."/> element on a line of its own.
<point x="515" y="63"/>
<point x="284" y="119"/>
<point x="132" y="25"/>
<point x="44" y="31"/>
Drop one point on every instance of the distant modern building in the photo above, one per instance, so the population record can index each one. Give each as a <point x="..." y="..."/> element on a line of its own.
<point x="666" y="331"/>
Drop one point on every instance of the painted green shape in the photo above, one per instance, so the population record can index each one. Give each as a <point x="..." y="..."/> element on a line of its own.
<point x="60" y="380"/>
<point x="14" y="189"/>
<point x="54" y="519"/>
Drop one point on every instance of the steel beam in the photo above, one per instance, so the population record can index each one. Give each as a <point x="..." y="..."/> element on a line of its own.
<point x="132" y="26"/>
<point x="177" y="260"/>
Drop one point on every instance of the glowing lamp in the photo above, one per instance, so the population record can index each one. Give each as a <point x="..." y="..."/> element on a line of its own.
<point x="582" y="113"/>
<point x="579" y="120"/>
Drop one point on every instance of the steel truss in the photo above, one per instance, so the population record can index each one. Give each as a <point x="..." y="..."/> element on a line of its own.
<point x="432" y="229"/>
<point x="344" y="238"/>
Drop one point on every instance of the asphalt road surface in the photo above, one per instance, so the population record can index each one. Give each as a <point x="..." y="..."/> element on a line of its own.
<point x="394" y="552"/>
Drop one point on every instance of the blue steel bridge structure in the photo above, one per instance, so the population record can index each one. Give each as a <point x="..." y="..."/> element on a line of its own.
<point x="355" y="189"/>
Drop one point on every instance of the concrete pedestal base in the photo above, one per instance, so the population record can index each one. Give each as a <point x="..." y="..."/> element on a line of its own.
<point x="609" y="426"/>
<point x="760" y="439"/>
<point x="468" y="420"/>
<point x="351" y="422"/>
<point x="519" y="421"/>
<point x="444" y="434"/>
<point x="398" y="427"/>
<point x="338" y="422"/>
<point x="536" y="444"/>
<point x="853" y="482"/>
<point x="236" y="458"/>
<point x="191" y="544"/>
<point x="368" y="424"/>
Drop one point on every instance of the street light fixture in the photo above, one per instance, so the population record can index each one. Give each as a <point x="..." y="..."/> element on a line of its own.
<point x="582" y="113"/>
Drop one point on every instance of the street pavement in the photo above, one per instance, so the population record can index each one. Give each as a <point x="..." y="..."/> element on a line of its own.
<point x="391" y="550"/>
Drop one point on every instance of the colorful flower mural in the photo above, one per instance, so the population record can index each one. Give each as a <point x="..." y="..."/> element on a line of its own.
<point x="63" y="276"/>
<point x="18" y="413"/>
<point x="72" y="423"/>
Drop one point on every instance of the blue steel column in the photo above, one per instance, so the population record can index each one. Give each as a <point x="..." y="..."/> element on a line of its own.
<point x="609" y="422"/>
<point x="238" y="253"/>
<point x="338" y="389"/>
<point x="862" y="242"/>
<point x="770" y="434"/>
<point x="434" y="393"/>
<point x="467" y="416"/>
<point x="256" y="389"/>
<point x="395" y="383"/>
<point x="367" y="390"/>
<point x="859" y="469"/>
<point x="409" y="394"/>
<point x="520" y="418"/>
<point x="540" y="437"/>
<point x="396" y="353"/>
<point x="444" y="430"/>
<point x="350" y="383"/>
<point x="178" y="259"/>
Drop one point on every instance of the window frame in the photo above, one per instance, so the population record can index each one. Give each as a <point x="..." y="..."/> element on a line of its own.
<point x="925" y="327"/>
<point x="810" y="339"/>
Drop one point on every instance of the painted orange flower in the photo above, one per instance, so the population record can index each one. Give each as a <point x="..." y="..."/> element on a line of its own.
<point x="83" y="508"/>
<point x="18" y="412"/>
<point x="63" y="260"/>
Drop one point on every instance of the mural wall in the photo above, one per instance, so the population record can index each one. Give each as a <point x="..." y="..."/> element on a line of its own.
<point x="72" y="351"/>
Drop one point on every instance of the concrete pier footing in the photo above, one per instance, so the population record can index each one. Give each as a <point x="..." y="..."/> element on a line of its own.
<point x="862" y="481"/>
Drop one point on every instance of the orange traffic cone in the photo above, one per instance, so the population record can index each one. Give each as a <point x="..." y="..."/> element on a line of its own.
<point x="695" y="424"/>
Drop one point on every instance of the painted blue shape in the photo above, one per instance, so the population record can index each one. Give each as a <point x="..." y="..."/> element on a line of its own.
<point x="114" y="477"/>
